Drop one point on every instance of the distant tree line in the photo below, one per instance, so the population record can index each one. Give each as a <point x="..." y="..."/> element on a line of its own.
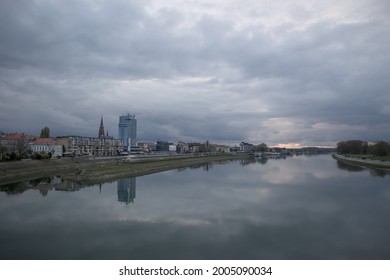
<point x="260" y="148"/>
<point x="381" y="148"/>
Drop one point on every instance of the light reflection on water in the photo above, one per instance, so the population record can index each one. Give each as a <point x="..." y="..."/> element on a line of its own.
<point x="306" y="207"/>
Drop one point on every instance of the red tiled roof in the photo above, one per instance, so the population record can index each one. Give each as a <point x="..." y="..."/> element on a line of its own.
<point x="18" y="136"/>
<point x="44" y="141"/>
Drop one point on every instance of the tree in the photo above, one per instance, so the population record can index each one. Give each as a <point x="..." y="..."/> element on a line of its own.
<point x="205" y="148"/>
<point x="21" y="148"/>
<point x="355" y="146"/>
<point x="45" y="132"/>
<point x="365" y="148"/>
<point x="341" y="147"/>
<point x="381" y="149"/>
<point x="12" y="156"/>
<point x="351" y="147"/>
<point x="261" y="148"/>
<point x="3" y="151"/>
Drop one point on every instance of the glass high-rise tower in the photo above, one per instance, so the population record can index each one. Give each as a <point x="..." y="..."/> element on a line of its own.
<point x="127" y="130"/>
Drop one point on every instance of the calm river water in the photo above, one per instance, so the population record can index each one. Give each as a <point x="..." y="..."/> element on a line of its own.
<point x="304" y="207"/>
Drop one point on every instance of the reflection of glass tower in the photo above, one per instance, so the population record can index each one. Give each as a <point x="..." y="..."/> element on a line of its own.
<point x="126" y="190"/>
<point x="127" y="130"/>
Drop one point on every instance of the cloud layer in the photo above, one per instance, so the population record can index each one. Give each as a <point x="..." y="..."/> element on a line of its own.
<point x="308" y="72"/>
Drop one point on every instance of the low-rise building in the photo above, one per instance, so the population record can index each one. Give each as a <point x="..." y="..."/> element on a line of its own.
<point x="80" y="145"/>
<point x="147" y="146"/>
<point x="182" y="147"/>
<point x="162" y="146"/>
<point x="194" y="147"/>
<point x="17" y="143"/>
<point x="221" y="148"/>
<point x="245" y="147"/>
<point x="46" y="145"/>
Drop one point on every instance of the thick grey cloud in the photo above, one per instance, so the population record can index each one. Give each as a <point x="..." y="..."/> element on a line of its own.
<point x="308" y="72"/>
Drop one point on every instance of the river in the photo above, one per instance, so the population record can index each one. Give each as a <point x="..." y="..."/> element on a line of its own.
<point x="301" y="207"/>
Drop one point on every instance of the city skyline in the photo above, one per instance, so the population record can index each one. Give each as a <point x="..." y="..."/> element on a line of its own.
<point x="125" y="130"/>
<point x="302" y="73"/>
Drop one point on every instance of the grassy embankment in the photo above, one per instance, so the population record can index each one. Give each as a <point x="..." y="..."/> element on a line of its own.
<point x="372" y="157"/>
<point x="93" y="171"/>
<point x="364" y="160"/>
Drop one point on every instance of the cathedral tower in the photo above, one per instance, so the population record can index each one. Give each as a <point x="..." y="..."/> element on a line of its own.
<point x="101" y="128"/>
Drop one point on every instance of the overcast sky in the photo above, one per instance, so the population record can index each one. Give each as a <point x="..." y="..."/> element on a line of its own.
<point x="304" y="71"/>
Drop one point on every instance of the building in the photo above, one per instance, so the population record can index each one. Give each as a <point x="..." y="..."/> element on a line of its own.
<point x="17" y="143"/>
<point x="182" y="147"/>
<point x="162" y="146"/>
<point x="127" y="131"/>
<point x="79" y="145"/>
<point x="246" y="147"/>
<point x="147" y="146"/>
<point x="194" y="147"/>
<point x="46" y="145"/>
<point x="221" y="148"/>
<point x="101" y="129"/>
<point x="103" y="145"/>
<point x="107" y="146"/>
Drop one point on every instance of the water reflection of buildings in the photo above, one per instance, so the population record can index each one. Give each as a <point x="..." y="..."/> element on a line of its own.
<point x="126" y="190"/>
<point x="43" y="185"/>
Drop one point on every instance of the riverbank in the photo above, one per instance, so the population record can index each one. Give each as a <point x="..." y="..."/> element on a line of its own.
<point x="92" y="170"/>
<point x="363" y="162"/>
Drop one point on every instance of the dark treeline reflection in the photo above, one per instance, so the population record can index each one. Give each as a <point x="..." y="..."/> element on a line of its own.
<point x="349" y="167"/>
<point x="355" y="168"/>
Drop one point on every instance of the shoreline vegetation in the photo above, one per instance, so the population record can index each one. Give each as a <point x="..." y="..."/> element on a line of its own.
<point x="96" y="170"/>
<point x="363" y="160"/>
<point x="374" y="155"/>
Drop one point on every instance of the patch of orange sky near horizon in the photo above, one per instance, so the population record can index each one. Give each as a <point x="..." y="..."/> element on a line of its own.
<point x="288" y="145"/>
<point x="297" y="146"/>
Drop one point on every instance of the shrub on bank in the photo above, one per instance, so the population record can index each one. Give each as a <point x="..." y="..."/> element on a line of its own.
<point x="10" y="157"/>
<point x="41" y="155"/>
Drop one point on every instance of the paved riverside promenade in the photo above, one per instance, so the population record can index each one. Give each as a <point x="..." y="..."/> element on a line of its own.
<point x="377" y="163"/>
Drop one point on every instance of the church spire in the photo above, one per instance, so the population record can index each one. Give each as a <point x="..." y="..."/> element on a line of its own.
<point x="101" y="128"/>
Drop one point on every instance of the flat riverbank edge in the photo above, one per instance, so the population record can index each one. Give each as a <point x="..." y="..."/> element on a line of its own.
<point x="369" y="163"/>
<point x="90" y="170"/>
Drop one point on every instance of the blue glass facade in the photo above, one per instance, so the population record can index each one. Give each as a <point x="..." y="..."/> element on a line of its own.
<point x="127" y="130"/>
